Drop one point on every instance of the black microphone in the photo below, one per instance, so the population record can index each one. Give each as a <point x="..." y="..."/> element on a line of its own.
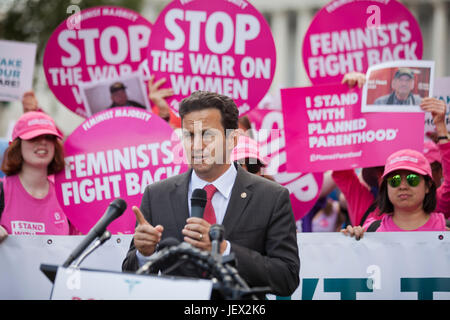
<point x="198" y="203"/>
<point x="216" y="234"/>
<point x="162" y="251"/>
<point x="105" y="237"/>
<point x="114" y="210"/>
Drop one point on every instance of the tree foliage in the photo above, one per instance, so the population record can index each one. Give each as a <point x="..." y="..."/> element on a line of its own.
<point x="35" y="20"/>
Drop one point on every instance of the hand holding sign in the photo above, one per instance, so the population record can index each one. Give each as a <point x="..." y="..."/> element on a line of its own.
<point x="437" y="108"/>
<point x="354" y="78"/>
<point x="146" y="237"/>
<point x="158" y="96"/>
<point x="29" y="102"/>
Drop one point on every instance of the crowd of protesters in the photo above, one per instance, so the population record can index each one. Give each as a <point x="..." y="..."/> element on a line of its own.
<point x="410" y="194"/>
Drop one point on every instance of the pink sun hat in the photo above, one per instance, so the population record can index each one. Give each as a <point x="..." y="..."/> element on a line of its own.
<point x="408" y="159"/>
<point x="34" y="123"/>
<point x="247" y="148"/>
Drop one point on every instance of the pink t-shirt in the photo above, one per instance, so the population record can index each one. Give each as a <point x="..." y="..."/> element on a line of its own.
<point x="436" y="222"/>
<point x="26" y="215"/>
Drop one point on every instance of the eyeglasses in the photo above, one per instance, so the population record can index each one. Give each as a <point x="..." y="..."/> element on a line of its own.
<point x="412" y="179"/>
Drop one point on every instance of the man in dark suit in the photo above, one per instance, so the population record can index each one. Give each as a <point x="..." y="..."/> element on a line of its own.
<point x="256" y="213"/>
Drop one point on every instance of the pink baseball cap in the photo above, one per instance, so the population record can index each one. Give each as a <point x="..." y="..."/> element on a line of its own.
<point x="431" y="152"/>
<point x="408" y="159"/>
<point x="247" y="148"/>
<point x="32" y="124"/>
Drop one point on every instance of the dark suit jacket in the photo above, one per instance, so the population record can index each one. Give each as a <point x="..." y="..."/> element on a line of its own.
<point x="260" y="227"/>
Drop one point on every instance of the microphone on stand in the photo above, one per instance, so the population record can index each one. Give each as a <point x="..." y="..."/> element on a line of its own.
<point x="163" y="250"/>
<point x="198" y="203"/>
<point x="105" y="237"/>
<point x="114" y="210"/>
<point x="216" y="234"/>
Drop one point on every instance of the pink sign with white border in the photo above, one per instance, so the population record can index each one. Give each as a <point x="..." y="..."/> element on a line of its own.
<point x="325" y="130"/>
<point x="96" y="44"/>
<point x="352" y="35"/>
<point x="213" y="45"/>
<point x="115" y="154"/>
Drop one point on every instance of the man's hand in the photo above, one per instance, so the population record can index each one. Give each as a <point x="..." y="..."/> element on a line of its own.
<point x="146" y="237"/>
<point x="196" y="232"/>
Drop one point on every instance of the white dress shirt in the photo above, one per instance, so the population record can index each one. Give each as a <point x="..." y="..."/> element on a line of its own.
<point x="224" y="184"/>
<point x="220" y="199"/>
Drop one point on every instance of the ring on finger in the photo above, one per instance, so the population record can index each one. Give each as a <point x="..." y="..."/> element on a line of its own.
<point x="201" y="237"/>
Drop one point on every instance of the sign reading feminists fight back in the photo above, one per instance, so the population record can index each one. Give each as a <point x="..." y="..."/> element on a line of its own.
<point x="213" y="45"/>
<point x="104" y="163"/>
<point x="352" y="35"/>
<point x="96" y="44"/>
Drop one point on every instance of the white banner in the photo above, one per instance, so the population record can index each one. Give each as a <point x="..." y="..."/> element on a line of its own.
<point x="16" y="69"/>
<point x="388" y="265"/>
<point x="21" y="257"/>
<point x="407" y="265"/>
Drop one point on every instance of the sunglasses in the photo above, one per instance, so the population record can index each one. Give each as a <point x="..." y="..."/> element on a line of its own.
<point x="412" y="179"/>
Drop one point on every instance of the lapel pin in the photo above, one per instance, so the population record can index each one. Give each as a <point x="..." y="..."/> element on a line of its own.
<point x="243" y="195"/>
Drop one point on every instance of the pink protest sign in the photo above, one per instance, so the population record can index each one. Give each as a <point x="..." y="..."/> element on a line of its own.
<point x="325" y="130"/>
<point x="213" y="45"/>
<point x="304" y="187"/>
<point x="352" y="35"/>
<point x="97" y="44"/>
<point x="115" y="154"/>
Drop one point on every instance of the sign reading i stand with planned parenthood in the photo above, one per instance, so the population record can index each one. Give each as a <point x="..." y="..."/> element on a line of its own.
<point x="95" y="44"/>
<point x="352" y="35"/>
<point x="326" y="130"/>
<point x="221" y="46"/>
<point x="105" y="161"/>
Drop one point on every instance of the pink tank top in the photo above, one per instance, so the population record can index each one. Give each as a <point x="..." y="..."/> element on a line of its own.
<point x="436" y="222"/>
<point x="26" y="215"/>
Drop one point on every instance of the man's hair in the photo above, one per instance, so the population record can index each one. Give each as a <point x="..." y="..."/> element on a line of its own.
<point x="13" y="160"/>
<point x="200" y="100"/>
<point x="429" y="202"/>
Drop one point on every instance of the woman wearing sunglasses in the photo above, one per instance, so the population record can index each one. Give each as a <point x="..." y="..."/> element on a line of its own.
<point x="407" y="197"/>
<point x="30" y="206"/>
<point x="361" y="205"/>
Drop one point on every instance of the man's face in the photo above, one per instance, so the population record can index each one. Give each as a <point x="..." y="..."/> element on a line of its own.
<point x="119" y="97"/>
<point x="207" y="147"/>
<point x="403" y="85"/>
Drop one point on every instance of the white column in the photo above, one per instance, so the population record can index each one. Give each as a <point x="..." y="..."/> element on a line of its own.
<point x="439" y="34"/>
<point x="280" y="29"/>
<point x="304" y="17"/>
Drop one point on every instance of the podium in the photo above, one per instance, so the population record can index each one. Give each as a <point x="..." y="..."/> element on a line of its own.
<point x="88" y="284"/>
